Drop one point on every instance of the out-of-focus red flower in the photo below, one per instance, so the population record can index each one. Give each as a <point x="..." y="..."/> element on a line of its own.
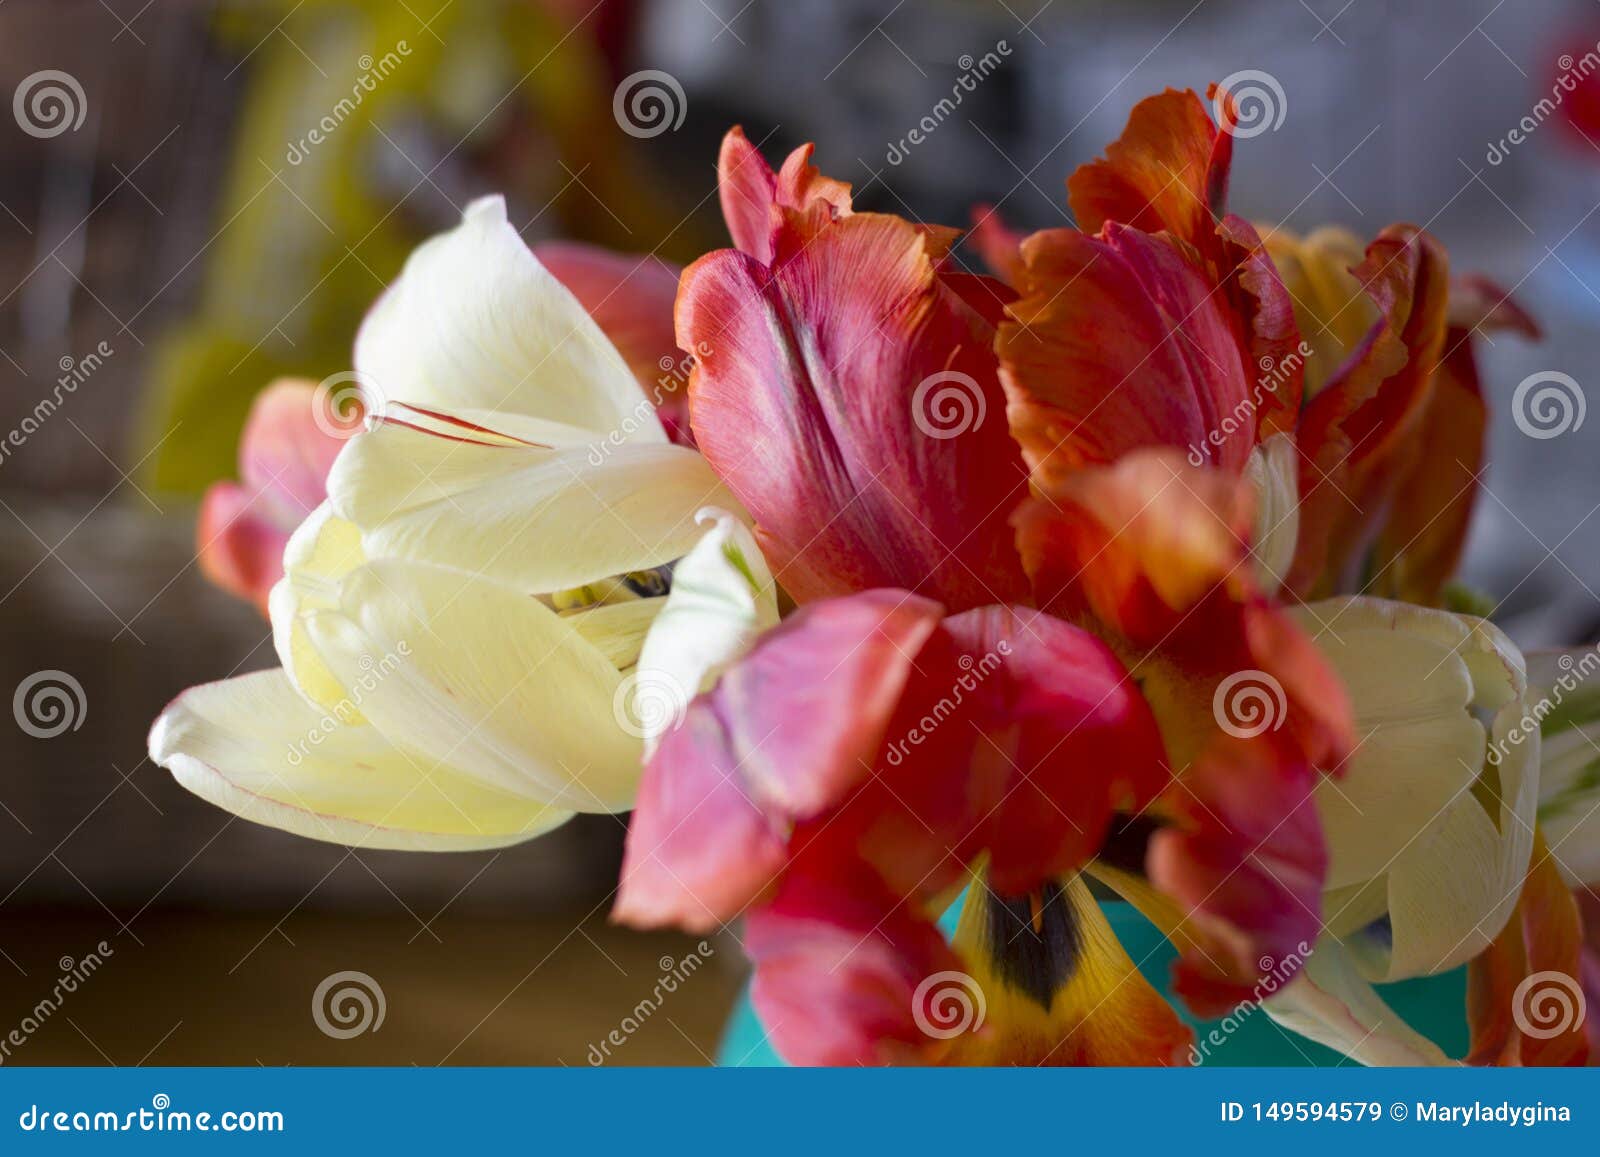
<point x="1575" y="76"/>
<point x="284" y="458"/>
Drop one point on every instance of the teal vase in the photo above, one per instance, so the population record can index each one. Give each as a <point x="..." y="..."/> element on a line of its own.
<point x="1435" y="1006"/>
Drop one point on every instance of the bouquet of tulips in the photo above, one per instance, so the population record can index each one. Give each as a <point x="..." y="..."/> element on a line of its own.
<point x="874" y="586"/>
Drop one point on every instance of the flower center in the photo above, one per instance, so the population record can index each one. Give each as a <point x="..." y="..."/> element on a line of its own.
<point x="1034" y="942"/>
<point x="623" y="588"/>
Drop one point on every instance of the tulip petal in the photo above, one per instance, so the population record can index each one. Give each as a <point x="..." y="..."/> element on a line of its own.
<point x="476" y="688"/>
<point x="254" y="747"/>
<point x="476" y="322"/>
<point x="839" y="968"/>
<point x="1244" y="858"/>
<point x="284" y="455"/>
<point x="1059" y="989"/>
<point x="1064" y="742"/>
<point x="539" y="518"/>
<point x="617" y="630"/>
<point x="238" y="549"/>
<point x="1272" y="473"/>
<point x="1168" y="171"/>
<point x="1137" y="543"/>
<point x="1422" y="746"/>
<point x="630" y="296"/>
<point x="1157" y="551"/>
<point x="998" y="244"/>
<point x="756" y="202"/>
<point x="1359" y="435"/>
<point x="1420" y="544"/>
<point x="1332" y="310"/>
<point x="1450" y="897"/>
<point x="787" y="733"/>
<point x="284" y="458"/>
<point x="1478" y="303"/>
<point x="1331" y="1003"/>
<point x="1525" y="997"/>
<point x="319" y="554"/>
<point x="1168" y="174"/>
<point x="1119" y="341"/>
<point x="722" y="598"/>
<point x="1417" y="804"/>
<point x="849" y="399"/>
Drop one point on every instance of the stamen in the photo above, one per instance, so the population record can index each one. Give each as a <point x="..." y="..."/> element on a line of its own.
<point x="650" y="584"/>
<point x="624" y="588"/>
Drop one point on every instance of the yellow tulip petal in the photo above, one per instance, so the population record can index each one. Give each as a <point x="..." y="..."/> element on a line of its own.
<point x="254" y="747"/>
<point x="1272" y="473"/>
<point x="476" y="322"/>
<point x="1331" y="309"/>
<point x="491" y="681"/>
<point x="1569" y="802"/>
<point x="1058" y="986"/>
<point x="1452" y="891"/>
<point x="617" y="630"/>
<point x="1422" y="812"/>
<point x="722" y="597"/>
<point x="1419" y="744"/>
<point x="319" y="554"/>
<point x="540" y="519"/>
<point x="1330" y="1002"/>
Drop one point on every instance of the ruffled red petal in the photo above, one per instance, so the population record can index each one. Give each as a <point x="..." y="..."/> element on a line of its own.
<point x="849" y="399"/>
<point x="757" y="203"/>
<point x="1244" y="858"/>
<point x="1157" y="551"/>
<point x="1359" y="437"/>
<point x="1120" y="341"/>
<point x="787" y="734"/>
<point x="840" y="965"/>
<point x="1168" y="171"/>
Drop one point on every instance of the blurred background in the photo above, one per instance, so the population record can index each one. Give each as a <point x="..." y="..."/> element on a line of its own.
<point x="190" y="226"/>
